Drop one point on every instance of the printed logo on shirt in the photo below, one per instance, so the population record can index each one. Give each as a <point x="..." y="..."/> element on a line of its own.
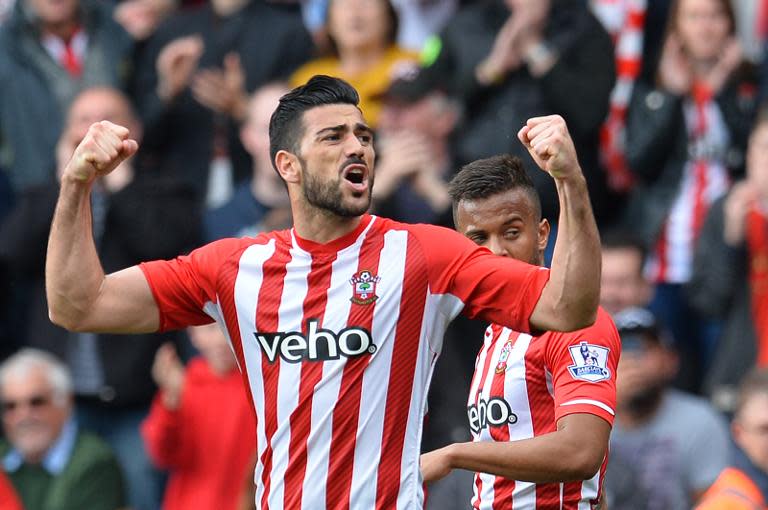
<point x="590" y="362"/>
<point x="317" y="345"/>
<point x="364" y="287"/>
<point x="494" y="412"/>
<point x="501" y="366"/>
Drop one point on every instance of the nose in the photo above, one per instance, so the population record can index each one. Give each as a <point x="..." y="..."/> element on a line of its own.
<point x="353" y="146"/>
<point x="497" y="247"/>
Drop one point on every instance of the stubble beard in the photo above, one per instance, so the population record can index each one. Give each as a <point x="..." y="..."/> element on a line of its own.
<point x="327" y="196"/>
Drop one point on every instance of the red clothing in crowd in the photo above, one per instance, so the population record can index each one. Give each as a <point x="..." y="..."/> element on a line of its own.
<point x="8" y="498"/>
<point x="207" y="444"/>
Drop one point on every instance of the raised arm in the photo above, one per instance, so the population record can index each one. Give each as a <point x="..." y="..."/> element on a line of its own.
<point x="80" y="296"/>
<point x="570" y="298"/>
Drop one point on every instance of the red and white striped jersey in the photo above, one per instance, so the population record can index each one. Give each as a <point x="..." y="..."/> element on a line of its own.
<point x="337" y="343"/>
<point x="522" y="386"/>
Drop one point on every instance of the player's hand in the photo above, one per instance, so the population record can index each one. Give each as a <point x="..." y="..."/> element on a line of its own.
<point x="104" y="147"/>
<point x="435" y="465"/>
<point x="175" y="65"/>
<point x="551" y="147"/>
<point x="735" y="210"/>
<point x="168" y="373"/>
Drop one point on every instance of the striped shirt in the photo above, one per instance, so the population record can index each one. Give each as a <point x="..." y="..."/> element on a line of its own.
<point x="337" y="343"/>
<point x="522" y="386"/>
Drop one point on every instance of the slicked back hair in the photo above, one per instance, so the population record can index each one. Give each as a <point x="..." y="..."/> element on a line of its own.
<point x="286" y="126"/>
<point x="487" y="177"/>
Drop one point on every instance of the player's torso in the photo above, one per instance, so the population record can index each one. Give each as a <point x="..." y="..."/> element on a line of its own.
<point x="320" y="335"/>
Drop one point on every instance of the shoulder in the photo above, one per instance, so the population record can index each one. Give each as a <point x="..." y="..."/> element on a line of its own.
<point x="603" y="332"/>
<point x="91" y="449"/>
<point x="693" y="409"/>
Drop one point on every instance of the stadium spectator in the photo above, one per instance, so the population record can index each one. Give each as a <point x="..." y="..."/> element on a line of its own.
<point x="541" y="407"/>
<point x="49" y="51"/>
<point x="137" y="213"/>
<point x="338" y="364"/>
<point x="51" y="462"/>
<point x="622" y="282"/>
<point x="363" y="35"/>
<point x="201" y="426"/>
<point x="260" y="203"/>
<point x="686" y="135"/>
<point x="510" y="60"/>
<point x="413" y="151"/>
<point x="193" y="79"/>
<point x="729" y="280"/>
<point x="743" y="485"/>
<point x="676" y="443"/>
<point x="140" y="18"/>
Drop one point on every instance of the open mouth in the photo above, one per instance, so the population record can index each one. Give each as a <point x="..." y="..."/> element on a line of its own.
<point x="355" y="174"/>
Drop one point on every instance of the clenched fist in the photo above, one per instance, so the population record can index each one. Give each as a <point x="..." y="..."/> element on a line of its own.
<point x="104" y="147"/>
<point x="549" y="143"/>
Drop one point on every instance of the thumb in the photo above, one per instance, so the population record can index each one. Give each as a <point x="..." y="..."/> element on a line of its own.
<point x="128" y="149"/>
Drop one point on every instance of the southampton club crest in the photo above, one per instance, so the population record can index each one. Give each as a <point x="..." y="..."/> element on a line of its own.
<point x="364" y="287"/>
<point x="590" y="362"/>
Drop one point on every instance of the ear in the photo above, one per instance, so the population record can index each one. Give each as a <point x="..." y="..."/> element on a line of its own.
<point x="544" y="229"/>
<point x="288" y="166"/>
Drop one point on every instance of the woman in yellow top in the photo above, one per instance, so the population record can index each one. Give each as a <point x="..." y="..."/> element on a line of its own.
<point x="362" y="35"/>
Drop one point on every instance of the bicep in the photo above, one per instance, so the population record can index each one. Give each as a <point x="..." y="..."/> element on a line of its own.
<point x="125" y="304"/>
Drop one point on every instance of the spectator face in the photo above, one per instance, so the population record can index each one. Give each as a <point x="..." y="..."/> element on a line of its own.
<point x="55" y="12"/>
<point x="213" y="346"/>
<point x="431" y="116"/>
<point x="757" y="159"/>
<point x="703" y="27"/>
<point x="336" y="160"/>
<point x="750" y="429"/>
<point x="255" y="131"/>
<point x="644" y="369"/>
<point x="621" y="283"/>
<point x="359" y="24"/>
<point x="507" y="224"/>
<point x="32" y="416"/>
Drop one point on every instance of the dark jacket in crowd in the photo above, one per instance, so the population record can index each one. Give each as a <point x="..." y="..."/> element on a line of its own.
<point x="719" y="287"/>
<point x="35" y="91"/>
<point x="271" y="41"/>
<point x="657" y="146"/>
<point x="578" y="87"/>
<point x="147" y="219"/>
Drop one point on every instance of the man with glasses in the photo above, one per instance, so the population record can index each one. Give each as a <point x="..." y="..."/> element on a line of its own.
<point x="51" y="463"/>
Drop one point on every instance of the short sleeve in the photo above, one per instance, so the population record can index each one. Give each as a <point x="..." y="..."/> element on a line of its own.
<point x="496" y="289"/>
<point x="583" y="366"/>
<point x="182" y="286"/>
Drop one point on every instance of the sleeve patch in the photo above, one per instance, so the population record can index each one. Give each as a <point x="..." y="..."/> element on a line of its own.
<point x="590" y="362"/>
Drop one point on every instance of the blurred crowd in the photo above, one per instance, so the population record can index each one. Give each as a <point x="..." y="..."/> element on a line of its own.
<point x="665" y="101"/>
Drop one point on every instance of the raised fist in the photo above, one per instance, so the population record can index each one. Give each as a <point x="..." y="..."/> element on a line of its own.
<point x="549" y="143"/>
<point x="104" y="147"/>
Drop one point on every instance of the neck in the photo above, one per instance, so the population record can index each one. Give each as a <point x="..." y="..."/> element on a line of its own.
<point x="64" y="30"/>
<point x="225" y="8"/>
<point x="702" y="67"/>
<point x="266" y="189"/>
<point x="639" y="410"/>
<point x="319" y="225"/>
<point x="361" y="58"/>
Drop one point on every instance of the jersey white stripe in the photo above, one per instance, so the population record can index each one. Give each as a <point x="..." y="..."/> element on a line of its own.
<point x="516" y="393"/>
<point x="246" y="294"/>
<point x="410" y="475"/>
<point x="290" y="314"/>
<point x="589" y="491"/>
<point x="597" y="403"/>
<point x="371" y="418"/>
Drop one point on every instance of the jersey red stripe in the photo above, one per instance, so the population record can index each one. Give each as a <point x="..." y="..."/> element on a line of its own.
<point x="347" y="411"/>
<point x="318" y="281"/>
<point x="274" y="271"/>
<point x="502" y="488"/>
<point x="404" y="354"/>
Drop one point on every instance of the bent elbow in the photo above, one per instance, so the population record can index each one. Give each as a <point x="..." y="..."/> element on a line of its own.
<point x="64" y="321"/>
<point x="584" y="465"/>
<point x="575" y="318"/>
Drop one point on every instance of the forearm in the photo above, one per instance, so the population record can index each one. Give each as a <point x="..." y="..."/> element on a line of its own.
<point x="73" y="272"/>
<point x="574" y="281"/>
<point x="541" y="459"/>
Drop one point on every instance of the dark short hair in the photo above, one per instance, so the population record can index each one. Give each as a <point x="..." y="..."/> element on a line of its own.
<point x="286" y="127"/>
<point x="484" y="178"/>
<point x="618" y="238"/>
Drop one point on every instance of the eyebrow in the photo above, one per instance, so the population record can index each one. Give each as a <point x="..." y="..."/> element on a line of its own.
<point x="359" y="127"/>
